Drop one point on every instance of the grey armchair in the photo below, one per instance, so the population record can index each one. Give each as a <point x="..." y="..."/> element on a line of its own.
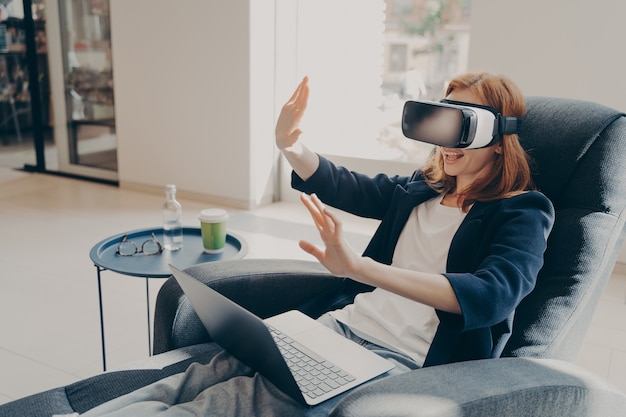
<point x="578" y="148"/>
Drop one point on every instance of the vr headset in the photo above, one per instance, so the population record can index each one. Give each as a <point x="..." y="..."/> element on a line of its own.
<point x="455" y="124"/>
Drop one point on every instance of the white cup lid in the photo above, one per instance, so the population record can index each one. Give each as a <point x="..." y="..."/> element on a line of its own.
<point x="213" y="215"/>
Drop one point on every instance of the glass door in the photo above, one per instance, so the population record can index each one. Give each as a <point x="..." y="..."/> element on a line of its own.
<point x="24" y="85"/>
<point x="82" y="88"/>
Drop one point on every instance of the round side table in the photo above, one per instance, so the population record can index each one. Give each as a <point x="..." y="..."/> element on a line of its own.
<point x="104" y="257"/>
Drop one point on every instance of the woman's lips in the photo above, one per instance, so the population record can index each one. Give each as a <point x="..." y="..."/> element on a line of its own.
<point x="451" y="156"/>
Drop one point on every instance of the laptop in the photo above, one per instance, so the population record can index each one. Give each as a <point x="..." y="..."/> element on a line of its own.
<point x="301" y="357"/>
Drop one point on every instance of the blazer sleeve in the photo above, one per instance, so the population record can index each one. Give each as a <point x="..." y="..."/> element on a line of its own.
<point x="516" y="239"/>
<point x="351" y="191"/>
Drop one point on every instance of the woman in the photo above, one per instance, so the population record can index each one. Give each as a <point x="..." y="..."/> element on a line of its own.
<point x="459" y="245"/>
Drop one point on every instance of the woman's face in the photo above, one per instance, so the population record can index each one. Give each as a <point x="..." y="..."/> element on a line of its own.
<point x="468" y="164"/>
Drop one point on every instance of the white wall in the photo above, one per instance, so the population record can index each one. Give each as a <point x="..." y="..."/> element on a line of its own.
<point x="194" y="97"/>
<point x="194" y="81"/>
<point x="560" y="48"/>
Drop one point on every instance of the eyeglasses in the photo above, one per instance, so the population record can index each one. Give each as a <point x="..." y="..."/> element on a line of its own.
<point x="130" y="248"/>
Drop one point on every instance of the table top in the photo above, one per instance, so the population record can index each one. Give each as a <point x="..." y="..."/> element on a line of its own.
<point x="156" y="266"/>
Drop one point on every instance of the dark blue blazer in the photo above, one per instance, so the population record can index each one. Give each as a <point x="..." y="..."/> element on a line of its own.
<point x="493" y="261"/>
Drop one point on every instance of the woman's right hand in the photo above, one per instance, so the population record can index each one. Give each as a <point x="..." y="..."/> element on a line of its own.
<point x="288" y="125"/>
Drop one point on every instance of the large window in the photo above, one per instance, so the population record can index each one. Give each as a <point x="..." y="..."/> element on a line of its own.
<point x="364" y="59"/>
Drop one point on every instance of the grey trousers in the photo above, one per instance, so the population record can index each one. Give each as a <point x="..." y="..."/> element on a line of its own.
<point x="226" y="387"/>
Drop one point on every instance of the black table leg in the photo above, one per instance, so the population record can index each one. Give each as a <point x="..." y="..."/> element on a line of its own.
<point x="148" y="309"/>
<point x="104" y="357"/>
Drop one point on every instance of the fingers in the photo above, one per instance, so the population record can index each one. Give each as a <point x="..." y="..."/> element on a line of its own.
<point x="312" y="203"/>
<point x="328" y="219"/>
<point x="311" y="249"/>
<point x="334" y="220"/>
<point x="287" y="126"/>
<point x="335" y="254"/>
<point x="300" y="96"/>
<point x="303" y="97"/>
<point x="327" y="222"/>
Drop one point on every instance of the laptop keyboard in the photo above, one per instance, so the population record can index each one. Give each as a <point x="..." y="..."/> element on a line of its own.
<point x="315" y="376"/>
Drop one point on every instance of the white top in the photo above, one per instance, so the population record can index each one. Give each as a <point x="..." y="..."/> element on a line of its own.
<point x="393" y="321"/>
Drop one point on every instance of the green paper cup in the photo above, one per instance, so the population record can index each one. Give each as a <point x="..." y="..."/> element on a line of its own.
<point x="213" y="226"/>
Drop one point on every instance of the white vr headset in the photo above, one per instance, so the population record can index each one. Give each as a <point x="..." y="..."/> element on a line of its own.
<point x="454" y="124"/>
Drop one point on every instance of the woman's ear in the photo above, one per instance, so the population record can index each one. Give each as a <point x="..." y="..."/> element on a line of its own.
<point x="498" y="148"/>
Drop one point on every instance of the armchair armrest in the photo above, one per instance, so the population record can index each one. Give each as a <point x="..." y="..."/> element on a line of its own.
<point x="266" y="287"/>
<point x="506" y="387"/>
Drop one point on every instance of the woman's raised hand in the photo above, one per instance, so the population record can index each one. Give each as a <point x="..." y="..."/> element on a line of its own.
<point x="288" y="125"/>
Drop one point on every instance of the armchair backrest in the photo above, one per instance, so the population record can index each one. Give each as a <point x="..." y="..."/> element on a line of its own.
<point x="579" y="153"/>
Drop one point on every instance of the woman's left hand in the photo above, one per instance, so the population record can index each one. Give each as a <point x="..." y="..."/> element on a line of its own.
<point x="338" y="256"/>
<point x="341" y="260"/>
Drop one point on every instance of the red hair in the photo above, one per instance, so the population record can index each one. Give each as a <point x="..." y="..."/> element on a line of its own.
<point x="510" y="173"/>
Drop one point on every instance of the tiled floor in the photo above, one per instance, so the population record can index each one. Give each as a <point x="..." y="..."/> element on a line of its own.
<point x="49" y="318"/>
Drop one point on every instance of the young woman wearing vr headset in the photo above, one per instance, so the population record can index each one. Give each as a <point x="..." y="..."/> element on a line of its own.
<point x="460" y="242"/>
